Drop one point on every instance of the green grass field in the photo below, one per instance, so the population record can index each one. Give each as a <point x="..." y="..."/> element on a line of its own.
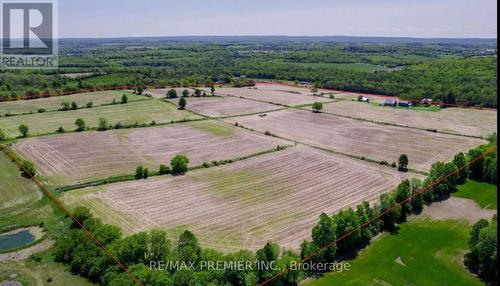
<point x="16" y="193"/>
<point x="484" y="194"/>
<point x="21" y="201"/>
<point x="143" y="111"/>
<point x="44" y="272"/>
<point x="424" y="252"/>
<point x="54" y="103"/>
<point x="214" y="129"/>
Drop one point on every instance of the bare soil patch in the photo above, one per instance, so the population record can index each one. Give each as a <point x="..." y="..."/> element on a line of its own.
<point x="360" y="138"/>
<point x="458" y="208"/>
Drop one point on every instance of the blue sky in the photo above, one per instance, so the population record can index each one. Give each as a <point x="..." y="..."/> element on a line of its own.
<point x="411" y="18"/>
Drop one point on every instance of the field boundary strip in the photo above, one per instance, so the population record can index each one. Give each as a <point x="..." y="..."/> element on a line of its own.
<point x="70" y="214"/>
<point x="380" y="215"/>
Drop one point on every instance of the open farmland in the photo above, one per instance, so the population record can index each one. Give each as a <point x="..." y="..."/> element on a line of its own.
<point x="283" y="96"/>
<point x="292" y="88"/>
<point x="277" y="197"/>
<point x="451" y="120"/>
<point x="220" y="106"/>
<point x="16" y="192"/>
<point x="269" y="86"/>
<point x="360" y="138"/>
<point x="78" y="157"/>
<point x="54" y="103"/>
<point x="144" y="111"/>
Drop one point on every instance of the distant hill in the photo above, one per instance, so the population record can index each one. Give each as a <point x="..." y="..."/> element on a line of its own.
<point x="325" y="39"/>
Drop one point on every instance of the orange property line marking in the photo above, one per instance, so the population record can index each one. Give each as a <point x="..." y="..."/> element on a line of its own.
<point x="59" y="204"/>
<point x="425" y="189"/>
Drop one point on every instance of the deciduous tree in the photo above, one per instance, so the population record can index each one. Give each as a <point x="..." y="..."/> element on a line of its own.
<point x="138" y="172"/>
<point x="179" y="164"/>
<point x="403" y="162"/>
<point x="172" y="93"/>
<point x="103" y="124"/>
<point x="80" y="124"/>
<point x="124" y="99"/>
<point x="24" y="130"/>
<point x="345" y="222"/>
<point x="317" y="107"/>
<point x="182" y="103"/>
<point x="393" y="211"/>
<point x="323" y="234"/>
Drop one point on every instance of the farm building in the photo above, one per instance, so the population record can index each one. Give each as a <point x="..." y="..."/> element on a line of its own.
<point x="390" y="102"/>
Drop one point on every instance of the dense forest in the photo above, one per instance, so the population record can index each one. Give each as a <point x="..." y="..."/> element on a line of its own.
<point x="452" y="72"/>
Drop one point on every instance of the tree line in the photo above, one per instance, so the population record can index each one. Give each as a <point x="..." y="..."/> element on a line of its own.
<point x="416" y="72"/>
<point x="482" y="255"/>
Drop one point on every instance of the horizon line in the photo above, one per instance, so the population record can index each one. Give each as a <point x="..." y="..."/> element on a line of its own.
<point x="287" y="36"/>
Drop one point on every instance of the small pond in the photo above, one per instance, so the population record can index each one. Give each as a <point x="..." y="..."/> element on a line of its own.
<point x="14" y="240"/>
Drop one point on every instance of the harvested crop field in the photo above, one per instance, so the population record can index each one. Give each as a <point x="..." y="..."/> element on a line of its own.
<point x="54" y="103"/>
<point x="220" y="106"/>
<point x="282" y="96"/>
<point x="77" y="157"/>
<point x="144" y="111"/>
<point x="305" y="90"/>
<point x="451" y="120"/>
<point x="283" y="87"/>
<point x="354" y="137"/>
<point x="276" y="196"/>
